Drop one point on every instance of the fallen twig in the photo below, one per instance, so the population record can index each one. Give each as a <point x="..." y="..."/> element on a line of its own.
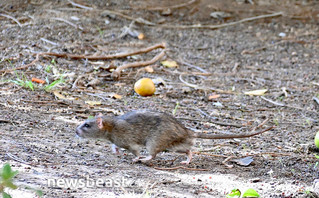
<point x="262" y="124"/>
<point x="68" y="22"/>
<point x="213" y="155"/>
<point x="203" y="88"/>
<point x="74" y="56"/>
<point x="181" y="167"/>
<point x="226" y="160"/>
<point x="79" y="5"/>
<point x="10" y="17"/>
<point x="289" y="106"/>
<point x="200" y="26"/>
<point x="171" y="7"/>
<point x="22" y="67"/>
<point x="116" y="73"/>
<point x="15" y="158"/>
<point x="138" y="20"/>
<point x="273" y="102"/>
<point x="50" y="42"/>
<point x="236" y="157"/>
<point x="194" y="66"/>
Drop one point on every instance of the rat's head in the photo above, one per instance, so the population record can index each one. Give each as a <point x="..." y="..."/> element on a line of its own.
<point x="97" y="127"/>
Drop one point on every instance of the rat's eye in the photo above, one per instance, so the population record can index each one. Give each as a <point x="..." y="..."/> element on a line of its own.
<point x="86" y="125"/>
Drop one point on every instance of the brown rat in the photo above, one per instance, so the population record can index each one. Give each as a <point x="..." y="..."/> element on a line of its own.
<point x="142" y="128"/>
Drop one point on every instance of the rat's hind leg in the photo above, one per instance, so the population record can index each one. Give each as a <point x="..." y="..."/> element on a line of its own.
<point x="189" y="157"/>
<point x="152" y="150"/>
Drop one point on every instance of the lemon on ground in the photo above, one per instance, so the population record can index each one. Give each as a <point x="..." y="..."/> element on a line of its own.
<point x="144" y="87"/>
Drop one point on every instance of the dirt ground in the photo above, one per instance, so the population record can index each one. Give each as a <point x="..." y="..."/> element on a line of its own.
<point x="216" y="66"/>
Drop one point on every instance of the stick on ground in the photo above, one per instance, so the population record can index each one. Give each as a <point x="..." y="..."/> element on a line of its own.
<point x="116" y="73"/>
<point x="74" y="56"/>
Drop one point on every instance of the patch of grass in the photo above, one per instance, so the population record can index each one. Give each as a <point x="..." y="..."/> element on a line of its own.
<point x="53" y="62"/>
<point x="50" y="86"/>
<point x="101" y="32"/>
<point x="276" y="122"/>
<point x="23" y="82"/>
<point x="48" y="69"/>
<point x="175" y="109"/>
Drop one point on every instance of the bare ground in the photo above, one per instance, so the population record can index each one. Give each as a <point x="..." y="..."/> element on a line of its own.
<point x="280" y="54"/>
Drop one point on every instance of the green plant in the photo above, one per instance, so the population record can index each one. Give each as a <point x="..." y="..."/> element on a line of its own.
<point x="235" y="193"/>
<point x="48" y="69"/>
<point x="6" y="181"/>
<point x="281" y="98"/>
<point x="6" y="177"/>
<point x="101" y="32"/>
<point x="53" y="62"/>
<point x="276" y="122"/>
<point x="23" y="82"/>
<point x="176" y="107"/>
<point x="53" y="84"/>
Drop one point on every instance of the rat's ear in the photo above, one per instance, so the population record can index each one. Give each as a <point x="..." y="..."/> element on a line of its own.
<point x="99" y="122"/>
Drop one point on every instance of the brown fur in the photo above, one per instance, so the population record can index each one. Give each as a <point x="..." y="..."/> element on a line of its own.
<point x="153" y="130"/>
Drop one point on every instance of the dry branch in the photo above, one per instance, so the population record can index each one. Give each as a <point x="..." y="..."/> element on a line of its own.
<point x="204" y="88"/>
<point x="200" y="26"/>
<point x="10" y="17"/>
<point x="74" y="56"/>
<point x="181" y="167"/>
<point x="116" y="73"/>
<point x="172" y="7"/>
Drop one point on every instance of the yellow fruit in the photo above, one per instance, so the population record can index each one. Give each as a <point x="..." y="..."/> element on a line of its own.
<point x="144" y="87"/>
<point x="317" y="140"/>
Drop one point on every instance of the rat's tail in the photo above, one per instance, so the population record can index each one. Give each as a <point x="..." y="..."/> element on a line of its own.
<point x="229" y="136"/>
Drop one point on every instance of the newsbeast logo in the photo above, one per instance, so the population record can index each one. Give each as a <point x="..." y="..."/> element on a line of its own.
<point x="73" y="183"/>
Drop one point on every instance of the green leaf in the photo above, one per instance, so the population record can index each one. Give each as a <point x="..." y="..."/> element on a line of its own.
<point x="176" y="107"/>
<point x="5" y="195"/>
<point x="54" y="83"/>
<point x="29" y="84"/>
<point x="39" y="193"/>
<point x="250" y="193"/>
<point x="7" y="172"/>
<point x="9" y="184"/>
<point x="235" y="193"/>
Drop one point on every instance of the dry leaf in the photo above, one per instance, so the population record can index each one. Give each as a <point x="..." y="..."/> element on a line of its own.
<point x="169" y="63"/>
<point x="116" y="96"/>
<point x="92" y="103"/>
<point x="149" y="69"/>
<point x="60" y="96"/>
<point x="259" y="92"/>
<point x="214" y="96"/>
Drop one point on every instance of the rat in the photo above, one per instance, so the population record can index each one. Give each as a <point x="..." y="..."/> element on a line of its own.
<point x="144" y="128"/>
